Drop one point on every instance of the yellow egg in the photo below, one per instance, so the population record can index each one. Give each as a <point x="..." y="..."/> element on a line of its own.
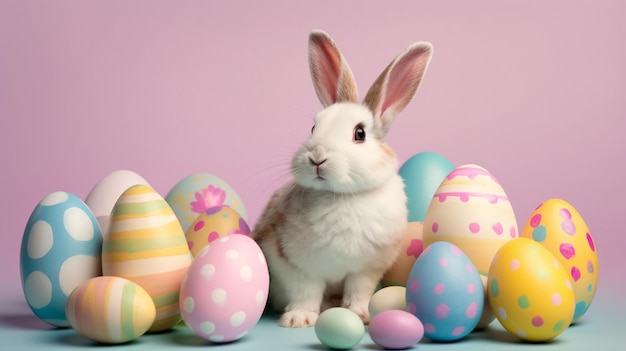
<point x="412" y="247"/>
<point x="529" y="291"/>
<point x="147" y="245"/>
<point x="559" y="227"/>
<point x="214" y="223"/>
<point x="110" y="310"/>
<point x="389" y="298"/>
<point x="471" y="210"/>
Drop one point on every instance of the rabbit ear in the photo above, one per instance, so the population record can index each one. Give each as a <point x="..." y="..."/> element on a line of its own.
<point x="394" y="88"/>
<point x="331" y="75"/>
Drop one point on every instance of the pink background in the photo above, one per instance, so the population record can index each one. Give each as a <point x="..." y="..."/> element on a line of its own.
<point x="532" y="91"/>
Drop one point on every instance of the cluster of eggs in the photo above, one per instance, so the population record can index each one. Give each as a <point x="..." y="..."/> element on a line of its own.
<point x="463" y="263"/>
<point x="127" y="261"/>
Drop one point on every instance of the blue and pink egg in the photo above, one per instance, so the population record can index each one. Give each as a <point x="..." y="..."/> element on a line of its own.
<point x="445" y="292"/>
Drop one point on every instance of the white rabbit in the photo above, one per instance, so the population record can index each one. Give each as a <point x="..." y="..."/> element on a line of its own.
<point x="331" y="233"/>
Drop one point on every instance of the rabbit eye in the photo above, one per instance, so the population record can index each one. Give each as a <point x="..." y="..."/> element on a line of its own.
<point x="359" y="134"/>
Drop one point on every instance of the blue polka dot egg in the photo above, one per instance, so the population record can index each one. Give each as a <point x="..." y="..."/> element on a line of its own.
<point x="445" y="292"/>
<point x="61" y="248"/>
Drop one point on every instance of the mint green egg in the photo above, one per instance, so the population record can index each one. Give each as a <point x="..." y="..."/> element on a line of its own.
<point x="339" y="328"/>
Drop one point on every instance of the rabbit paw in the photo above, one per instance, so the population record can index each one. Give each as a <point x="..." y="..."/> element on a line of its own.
<point x="298" y="319"/>
<point x="361" y="311"/>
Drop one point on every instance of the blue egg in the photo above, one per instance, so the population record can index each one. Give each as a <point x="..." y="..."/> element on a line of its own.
<point x="197" y="193"/>
<point x="445" y="292"/>
<point x="422" y="174"/>
<point x="61" y="248"/>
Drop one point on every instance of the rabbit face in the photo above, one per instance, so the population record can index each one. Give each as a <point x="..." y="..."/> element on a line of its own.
<point x="345" y="153"/>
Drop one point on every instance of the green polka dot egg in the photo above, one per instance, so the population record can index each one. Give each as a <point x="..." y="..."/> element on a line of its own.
<point x="560" y="228"/>
<point x="530" y="291"/>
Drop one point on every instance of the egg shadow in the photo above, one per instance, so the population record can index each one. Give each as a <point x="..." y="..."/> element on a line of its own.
<point x="77" y="340"/>
<point x="375" y="347"/>
<point x="188" y="339"/>
<point x="184" y="336"/>
<point x="496" y="335"/>
<point x="318" y="347"/>
<point x="24" y="321"/>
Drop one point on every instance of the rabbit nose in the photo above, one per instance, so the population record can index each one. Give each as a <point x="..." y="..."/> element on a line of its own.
<point x="317" y="163"/>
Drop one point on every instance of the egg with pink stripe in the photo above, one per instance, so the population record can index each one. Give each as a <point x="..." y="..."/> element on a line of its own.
<point x="471" y="210"/>
<point x="445" y="292"/>
<point x="225" y="290"/>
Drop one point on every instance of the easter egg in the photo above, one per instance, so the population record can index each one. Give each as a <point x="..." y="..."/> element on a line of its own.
<point x="339" y="328"/>
<point x="197" y="193"/>
<point x="445" y="293"/>
<point x="212" y="224"/>
<point x="104" y="194"/>
<point x="225" y="290"/>
<point x="488" y="316"/>
<point x="389" y="298"/>
<point x="60" y="249"/>
<point x="529" y="291"/>
<point x="471" y="210"/>
<point x="146" y="245"/>
<point x="411" y="247"/>
<point x="422" y="174"/>
<point x="560" y="228"/>
<point x="396" y="330"/>
<point x="110" y="310"/>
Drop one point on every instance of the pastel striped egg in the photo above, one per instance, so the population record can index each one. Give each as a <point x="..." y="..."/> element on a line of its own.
<point x="147" y="245"/>
<point x="105" y="193"/>
<point x="110" y="310"/>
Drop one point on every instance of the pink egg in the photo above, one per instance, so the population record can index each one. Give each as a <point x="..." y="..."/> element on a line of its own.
<point x="396" y="330"/>
<point x="225" y="291"/>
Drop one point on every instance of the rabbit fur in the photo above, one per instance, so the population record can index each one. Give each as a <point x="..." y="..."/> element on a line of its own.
<point x="331" y="233"/>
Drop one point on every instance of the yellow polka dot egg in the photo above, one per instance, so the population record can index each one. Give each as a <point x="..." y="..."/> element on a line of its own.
<point x="60" y="249"/>
<point x="529" y="291"/>
<point x="212" y="224"/>
<point x="560" y="228"/>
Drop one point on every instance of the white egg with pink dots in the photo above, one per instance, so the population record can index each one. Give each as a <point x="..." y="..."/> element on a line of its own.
<point x="225" y="291"/>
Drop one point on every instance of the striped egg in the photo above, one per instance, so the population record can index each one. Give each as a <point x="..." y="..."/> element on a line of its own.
<point x="110" y="310"/>
<point x="147" y="245"/>
<point x="105" y="193"/>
